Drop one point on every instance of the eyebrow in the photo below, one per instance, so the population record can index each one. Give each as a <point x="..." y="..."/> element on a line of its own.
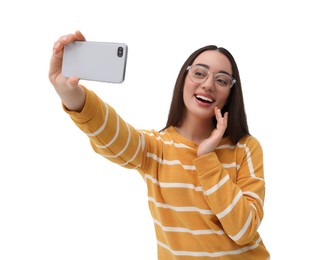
<point x="208" y="67"/>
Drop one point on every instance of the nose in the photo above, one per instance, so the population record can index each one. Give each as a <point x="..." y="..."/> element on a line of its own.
<point x="209" y="83"/>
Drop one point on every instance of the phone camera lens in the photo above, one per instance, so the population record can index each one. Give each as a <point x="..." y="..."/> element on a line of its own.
<point x="120" y="51"/>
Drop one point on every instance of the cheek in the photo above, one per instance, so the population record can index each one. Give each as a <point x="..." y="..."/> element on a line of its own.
<point x="224" y="98"/>
<point x="189" y="85"/>
<point x="189" y="88"/>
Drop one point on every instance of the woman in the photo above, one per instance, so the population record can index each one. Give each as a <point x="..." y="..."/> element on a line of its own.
<point x="204" y="171"/>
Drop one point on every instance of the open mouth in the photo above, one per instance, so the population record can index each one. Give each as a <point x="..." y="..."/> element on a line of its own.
<point x="204" y="99"/>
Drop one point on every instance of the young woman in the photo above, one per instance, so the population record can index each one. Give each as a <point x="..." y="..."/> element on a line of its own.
<point x="203" y="171"/>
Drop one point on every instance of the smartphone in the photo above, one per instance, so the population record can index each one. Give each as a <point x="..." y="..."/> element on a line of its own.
<point x="97" y="61"/>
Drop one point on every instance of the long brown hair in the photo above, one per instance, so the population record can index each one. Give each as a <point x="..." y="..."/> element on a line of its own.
<point x="237" y="122"/>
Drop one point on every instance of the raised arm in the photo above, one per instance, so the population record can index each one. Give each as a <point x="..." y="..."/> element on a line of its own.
<point x="236" y="201"/>
<point x="70" y="92"/>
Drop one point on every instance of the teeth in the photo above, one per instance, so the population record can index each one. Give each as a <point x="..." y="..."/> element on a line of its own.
<point x="205" y="98"/>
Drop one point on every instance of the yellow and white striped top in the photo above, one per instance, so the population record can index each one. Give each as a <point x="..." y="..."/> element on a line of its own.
<point x="206" y="207"/>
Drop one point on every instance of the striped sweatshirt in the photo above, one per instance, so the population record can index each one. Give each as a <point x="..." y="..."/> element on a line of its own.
<point x="206" y="207"/>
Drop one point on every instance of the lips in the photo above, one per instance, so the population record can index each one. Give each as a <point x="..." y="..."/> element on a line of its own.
<point x="204" y="98"/>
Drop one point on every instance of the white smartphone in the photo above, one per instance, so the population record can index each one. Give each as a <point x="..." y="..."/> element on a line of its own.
<point x="97" y="61"/>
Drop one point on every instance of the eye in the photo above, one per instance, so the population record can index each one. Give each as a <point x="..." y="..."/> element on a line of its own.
<point x="223" y="80"/>
<point x="199" y="73"/>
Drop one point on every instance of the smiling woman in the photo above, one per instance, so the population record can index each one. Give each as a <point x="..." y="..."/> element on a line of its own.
<point x="203" y="170"/>
<point x="230" y="99"/>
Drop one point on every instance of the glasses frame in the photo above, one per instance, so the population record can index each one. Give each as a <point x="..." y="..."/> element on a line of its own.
<point x="210" y="73"/>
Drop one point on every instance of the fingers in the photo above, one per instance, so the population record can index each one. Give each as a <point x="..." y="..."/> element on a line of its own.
<point x="79" y="36"/>
<point x="226" y="116"/>
<point x="221" y="120"/>
<point x="56" y="59"/>
<point x="218" y="114"/>
<point x="65" y="39"/>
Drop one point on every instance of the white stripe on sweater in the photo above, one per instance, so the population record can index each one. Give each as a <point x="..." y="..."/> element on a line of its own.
<point x="170" y="142"/>
<point x="253" y="195"/>
<point x="180" y="209"/>
<point x="243" y="230"/>
<point x="170" y="162"/>
<point x="101" y="129"/>
<point x="210" y="254"/>
<point x="122" y="150"/>
<point x="173" y="184"/>
<point x="136" y="153"/>
<point x="248" y="158"/>
<point x="218" y="185"/>
<point x="186" y="230"/>
<point x="114" y="137"/>
<point x="231" y="206"/>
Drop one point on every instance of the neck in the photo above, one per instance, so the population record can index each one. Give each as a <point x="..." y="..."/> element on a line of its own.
<point x="196" y="130"/>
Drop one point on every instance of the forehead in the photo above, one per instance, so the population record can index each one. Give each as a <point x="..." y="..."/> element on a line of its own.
<point x="215" y="60"/>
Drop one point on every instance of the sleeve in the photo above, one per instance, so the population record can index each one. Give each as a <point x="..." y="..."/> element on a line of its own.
<point x="110" y="136"/>
<point x="237" y="204"/>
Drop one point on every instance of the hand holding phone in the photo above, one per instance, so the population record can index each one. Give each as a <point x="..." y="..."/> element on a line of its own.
<point x="71" y="93"/>
<point x="97" y="61"/>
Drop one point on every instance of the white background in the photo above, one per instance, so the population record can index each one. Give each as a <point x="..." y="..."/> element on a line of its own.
<point x="59" y="200"/>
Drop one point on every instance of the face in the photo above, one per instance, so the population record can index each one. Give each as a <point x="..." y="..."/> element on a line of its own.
<point x="201" y="98"/>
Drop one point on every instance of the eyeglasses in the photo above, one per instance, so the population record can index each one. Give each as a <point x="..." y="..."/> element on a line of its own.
<point x="199" y="74"/>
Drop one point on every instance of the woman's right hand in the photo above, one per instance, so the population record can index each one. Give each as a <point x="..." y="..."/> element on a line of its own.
<point x="71" y="94"/>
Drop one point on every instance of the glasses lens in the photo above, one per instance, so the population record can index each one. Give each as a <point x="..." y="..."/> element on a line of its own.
<point x="198" y="74"/>
<point x="223" y="80"/>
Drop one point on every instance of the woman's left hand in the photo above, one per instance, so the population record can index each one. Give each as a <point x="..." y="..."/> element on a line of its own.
<point x="208" y="145"/>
